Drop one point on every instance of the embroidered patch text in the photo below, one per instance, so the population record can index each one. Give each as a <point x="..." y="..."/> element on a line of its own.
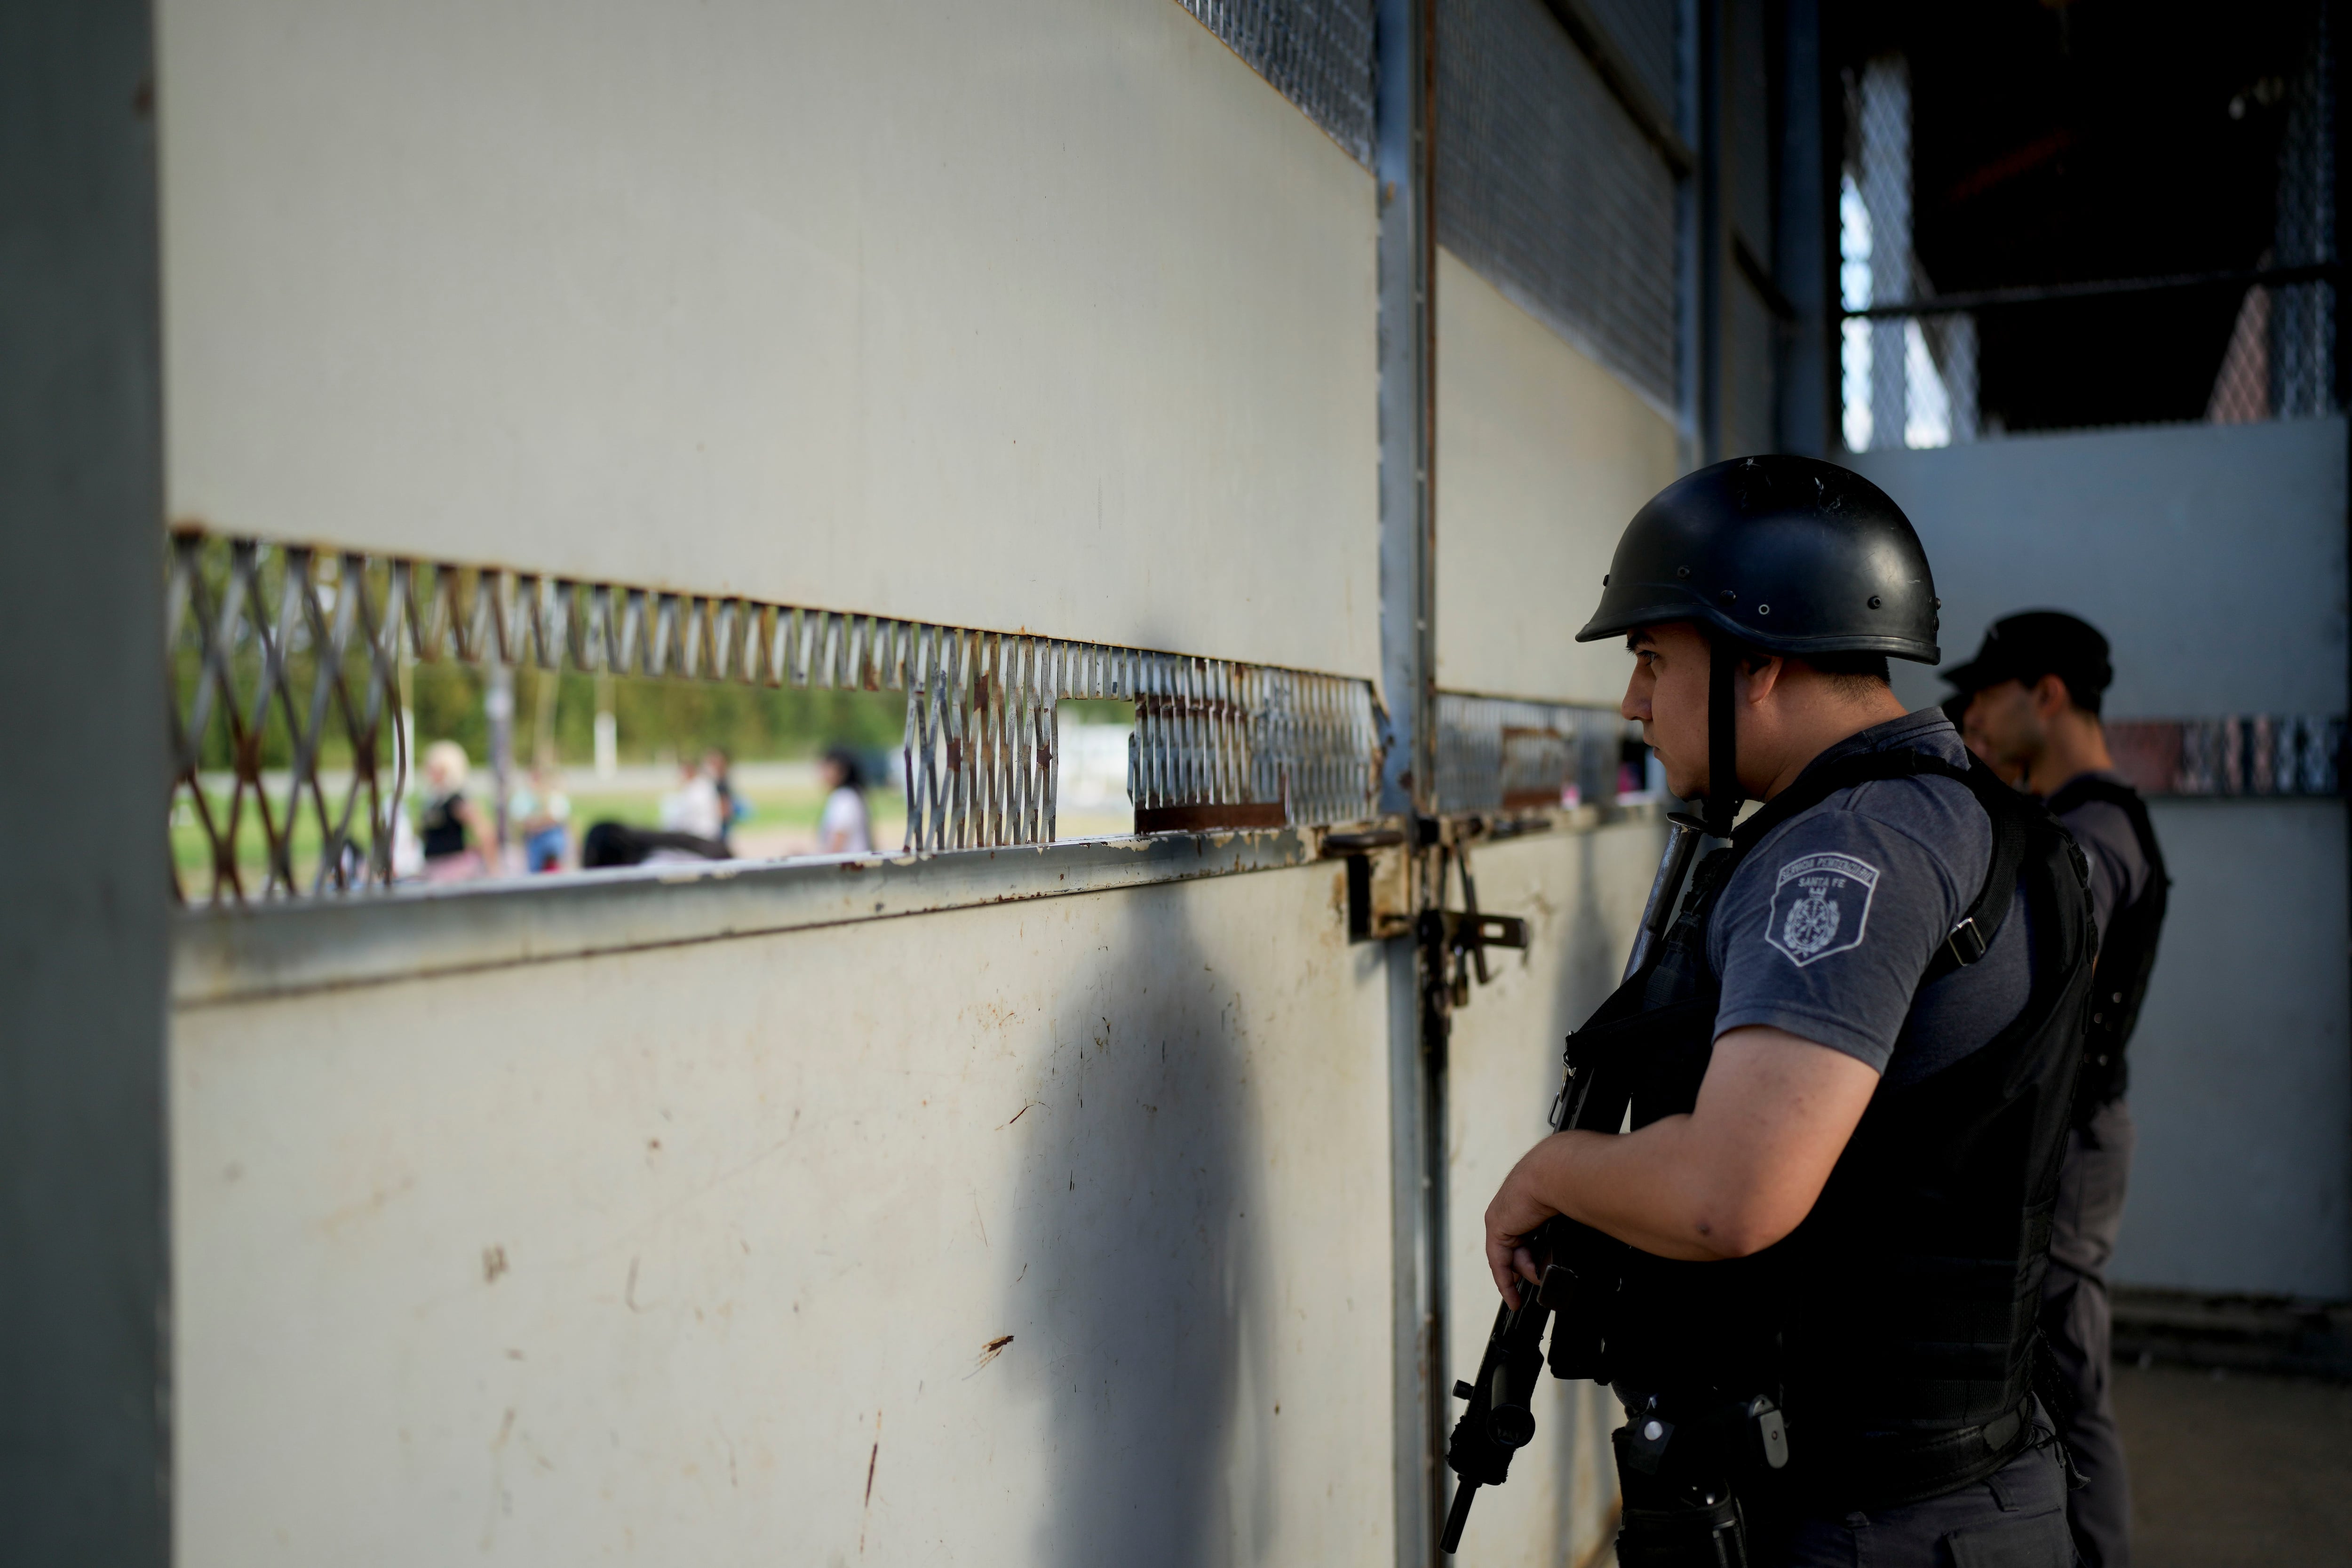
<point x="1820" y="906"/>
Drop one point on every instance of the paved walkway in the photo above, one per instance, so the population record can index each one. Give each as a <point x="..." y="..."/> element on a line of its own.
<point x="2238" y="1469"/>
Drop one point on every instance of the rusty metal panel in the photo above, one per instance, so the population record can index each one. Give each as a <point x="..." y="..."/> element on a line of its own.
<point x="1495" y="754"/>
<point x="1044" y="1239"/>
<point x="957" y="316"/>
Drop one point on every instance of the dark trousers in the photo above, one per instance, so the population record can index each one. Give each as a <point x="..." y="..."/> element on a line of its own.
<point x="2016" y="1518"/>
<point x="2074" y="1320"/>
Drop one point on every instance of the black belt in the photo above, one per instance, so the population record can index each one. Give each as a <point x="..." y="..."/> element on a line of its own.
<point x="1848" y="1472"/>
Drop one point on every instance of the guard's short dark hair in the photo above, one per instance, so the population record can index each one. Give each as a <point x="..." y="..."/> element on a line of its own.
<point x="1851" y="667"/>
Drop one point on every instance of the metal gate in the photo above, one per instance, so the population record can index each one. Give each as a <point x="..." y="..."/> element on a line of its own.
<point x="1001" y="1196"/>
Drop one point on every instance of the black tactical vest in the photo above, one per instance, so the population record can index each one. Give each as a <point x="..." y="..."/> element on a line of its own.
<point x="1894" y="1326"/>
<point x="2127" y="949"/>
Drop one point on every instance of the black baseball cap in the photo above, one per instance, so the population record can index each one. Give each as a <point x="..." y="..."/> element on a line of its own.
<point x="2033" y="644"/>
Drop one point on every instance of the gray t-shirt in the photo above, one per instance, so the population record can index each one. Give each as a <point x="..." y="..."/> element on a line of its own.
<point x="1827" y="927"/>
<point x="2118" y="869"/>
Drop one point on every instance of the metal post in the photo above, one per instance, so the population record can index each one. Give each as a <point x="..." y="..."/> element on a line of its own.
<point x="498" y="707"/>
<point x="1705" y="116"/>
<point x="1405" y="165"/>
<point x="1805" y="260"/>
<point x="1690" y="351"/>
<point x="84" y="895"/>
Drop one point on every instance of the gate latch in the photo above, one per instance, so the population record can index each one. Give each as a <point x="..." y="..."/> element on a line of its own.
<point x="1462" y="937"/>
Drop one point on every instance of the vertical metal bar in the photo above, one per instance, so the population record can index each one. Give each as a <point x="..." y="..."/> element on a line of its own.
<point x="1404" y="159"/>
<point x="1202" y="738"/>
<point x="1186" y="756"/>
<point x="85" y="899"/>
<point x="632" y="639"/>
<point x="775" y="652"/>
<point x="1049" y="730"/>
<point x="1035" y="697"/>
<point x="998" y="779"/>
<point x="959" y="739"/>
<point x="1016" y="747"/>
<point x="1233" y="752"/>
<point x="913" y="753"/>
<point x="1153" y="676"/>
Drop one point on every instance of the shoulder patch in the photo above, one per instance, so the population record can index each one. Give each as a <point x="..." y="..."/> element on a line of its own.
<point x="1821" y="905"/>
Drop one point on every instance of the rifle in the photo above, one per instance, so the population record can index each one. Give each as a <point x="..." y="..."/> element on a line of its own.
<point x="1500" y="1419"/>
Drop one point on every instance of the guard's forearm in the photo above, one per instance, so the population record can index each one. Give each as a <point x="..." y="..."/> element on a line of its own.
<point x="1647" y="1188"/>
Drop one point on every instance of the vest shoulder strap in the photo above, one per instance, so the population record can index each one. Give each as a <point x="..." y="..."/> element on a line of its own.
<point x="2011" y="814"/>
<point x="2085" y="788"/>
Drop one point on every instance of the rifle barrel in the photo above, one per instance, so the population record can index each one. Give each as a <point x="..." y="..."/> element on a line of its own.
<point x="1682" y="842"/>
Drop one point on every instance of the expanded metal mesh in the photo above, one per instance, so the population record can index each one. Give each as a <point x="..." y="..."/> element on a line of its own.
<point x="1316" y="53"/>
<point x="2047" y="352"/>
<point x="284" y="681"/>
<point x="286" y="700"/>
<point x="1548" y="190"/>
<point x="1501" y="754"/>
<point x="1649" y="32"/>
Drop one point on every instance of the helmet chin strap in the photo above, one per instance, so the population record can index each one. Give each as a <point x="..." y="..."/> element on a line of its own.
<point x="1723" y="796"/>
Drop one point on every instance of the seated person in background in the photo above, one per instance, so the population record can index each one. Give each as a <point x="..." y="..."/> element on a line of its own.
<point x="542" y="813"/>
<point x="732" y="807"/>
<point x="694" y="807"/>
<point x="690" y="829"/>
<point x="450" y="827"/>
<point x="844" y="828"/>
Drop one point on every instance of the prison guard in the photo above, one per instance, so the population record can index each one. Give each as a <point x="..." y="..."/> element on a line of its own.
<point x="1896" y="1325"/>
<point x="2127" y="951"/>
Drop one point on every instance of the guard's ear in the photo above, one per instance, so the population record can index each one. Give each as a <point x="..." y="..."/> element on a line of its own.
<point x="1763" y="671"/>
<point x="2051" y="697"/>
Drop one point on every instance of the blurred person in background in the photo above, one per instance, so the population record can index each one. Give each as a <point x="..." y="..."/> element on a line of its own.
<point x="732" y="807"/>
<point x="2029" y="705"/>
<point x="456" y="836"/>
<point x="694" y="808"/>
<point x="543" y="814"/>
<point x="844" y="828"/>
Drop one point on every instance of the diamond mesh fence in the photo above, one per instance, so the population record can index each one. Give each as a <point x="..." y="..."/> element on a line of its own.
<point x="291" y="762"/>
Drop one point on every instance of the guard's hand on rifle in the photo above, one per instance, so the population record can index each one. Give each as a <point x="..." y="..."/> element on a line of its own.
<point x="1518" y="1209"/>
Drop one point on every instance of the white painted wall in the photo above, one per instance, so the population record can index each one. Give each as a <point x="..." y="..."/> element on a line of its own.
<point x="2213" y="558"/>
<point x="663" y="1257"/>
<point x="1543" y="458"/>
<point x="2242" y="1069"/>
<point x="1046" y="314"/>
<point x="2211" y="555"/>
<point x="1582" y="896"/>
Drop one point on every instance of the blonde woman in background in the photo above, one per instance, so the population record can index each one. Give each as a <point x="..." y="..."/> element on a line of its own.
<point x="450" y="827"/>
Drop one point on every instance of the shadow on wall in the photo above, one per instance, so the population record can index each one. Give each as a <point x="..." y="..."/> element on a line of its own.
<point x="1586" y="1494"/>
<point x="1140" y="1209"/>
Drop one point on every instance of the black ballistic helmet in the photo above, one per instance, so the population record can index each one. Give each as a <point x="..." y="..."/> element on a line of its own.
<point x="1788" y="555"/>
